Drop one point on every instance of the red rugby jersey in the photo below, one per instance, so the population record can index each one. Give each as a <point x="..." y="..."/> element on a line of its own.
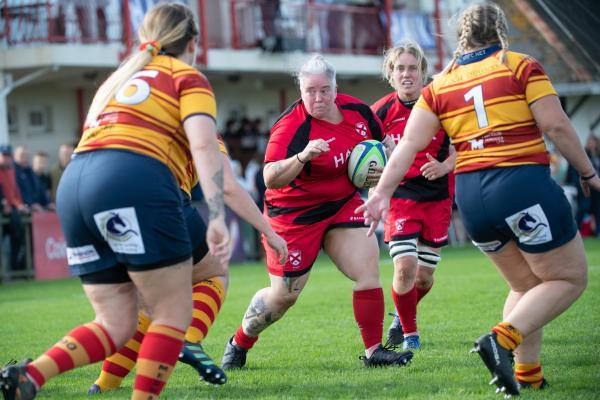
<point x="394" y="115"/>
<point x="324" y="178"/>
<point x="483" y="105"/>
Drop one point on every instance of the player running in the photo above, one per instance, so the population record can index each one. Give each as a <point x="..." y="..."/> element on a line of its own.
<point x="310" y="202"/>
<point x="210" y="279"/>
<point x="121" y="208"/>
<point x="416" y="227"/>
<point x="495" y="104"/>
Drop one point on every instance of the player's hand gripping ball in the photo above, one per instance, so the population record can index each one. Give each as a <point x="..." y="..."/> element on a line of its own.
<point x="365" y="155"/>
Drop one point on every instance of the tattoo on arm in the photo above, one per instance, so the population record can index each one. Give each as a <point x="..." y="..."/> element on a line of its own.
<point x="216" y="207"/>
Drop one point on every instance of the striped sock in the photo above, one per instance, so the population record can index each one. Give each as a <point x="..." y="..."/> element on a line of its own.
<point x="117" y="366"/>
<point x="369" y="308"/>
<point x="86" y="344"/>
<point x="158" y="354"/>
<point x="508" y="336"/>
<point x="530" y="374"/>
<point x="208" y="297"/>
<point x="241" y="339"/>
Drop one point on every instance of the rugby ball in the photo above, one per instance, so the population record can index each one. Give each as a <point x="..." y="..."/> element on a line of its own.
<point x="366" y="154"/>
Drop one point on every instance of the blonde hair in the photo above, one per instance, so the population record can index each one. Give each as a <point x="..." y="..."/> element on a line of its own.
<point x="480" y="25"/>
<point x="391" y="55"/>
<point x="169" y="27"/>
<point x="317" y="64"/>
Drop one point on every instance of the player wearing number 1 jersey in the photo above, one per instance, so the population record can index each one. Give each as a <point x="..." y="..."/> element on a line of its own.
<point x="121" y="208"/>
<point x="495" y="104"/>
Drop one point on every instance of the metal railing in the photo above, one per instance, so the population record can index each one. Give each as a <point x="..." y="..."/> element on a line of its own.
<point x="23" y="22"/>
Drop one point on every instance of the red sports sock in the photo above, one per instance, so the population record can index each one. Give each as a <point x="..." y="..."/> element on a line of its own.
<point x="243" y="340"/>
<point x="86" y="344"/>
<point x="117" y="366"/>
<point x="156" y="361"/>
<point x="406" y="306"/>
<point x="208" y="297"/>
<point x="421" y="292"/>
<point x="369" y="309"/>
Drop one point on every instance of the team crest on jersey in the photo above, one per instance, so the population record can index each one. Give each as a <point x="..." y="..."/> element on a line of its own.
<point x="400" y="225"/>
<point x="121" y="230"/>
<point x="361" y="128"/>
<point x="295" y="258"/>
<point x="530" y="225"/>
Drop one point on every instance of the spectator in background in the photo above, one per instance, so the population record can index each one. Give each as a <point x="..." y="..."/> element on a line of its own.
<point x="39" y="164"/>
<point x="248" y="141"/>
<point x="32" y="192"/>
<point x="593" y="151"/>
<point x="65" y="151"/>
<point x="12" y="208"/>
<point x="231" y="138"/>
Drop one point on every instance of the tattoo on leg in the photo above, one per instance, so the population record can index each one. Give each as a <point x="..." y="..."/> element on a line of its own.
<point x="289" y="284"/>
<point x="257" y="317"/>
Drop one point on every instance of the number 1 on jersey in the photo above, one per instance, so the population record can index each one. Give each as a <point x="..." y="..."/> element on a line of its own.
<point x="476" y="94"/>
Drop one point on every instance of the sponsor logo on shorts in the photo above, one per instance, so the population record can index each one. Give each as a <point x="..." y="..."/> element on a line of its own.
<point x="82" y="254"/>
<point x="295" y="258"/>
<point x="121" y="230"/>
<point x="530" y="226"/>
<point x="440" y="239"/>
<point x="361" y="129"/>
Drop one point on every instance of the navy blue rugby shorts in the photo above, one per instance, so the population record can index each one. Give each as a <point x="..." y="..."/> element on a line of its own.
<point x="521" y="203"/>
<point x="121" y="208"/>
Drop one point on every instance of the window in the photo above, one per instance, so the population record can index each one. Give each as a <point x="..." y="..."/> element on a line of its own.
<point x="39" y="120"/>
<point x="13" y="119"/>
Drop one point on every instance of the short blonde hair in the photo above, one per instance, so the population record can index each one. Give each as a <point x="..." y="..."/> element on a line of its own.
<point x="391" y="55"/>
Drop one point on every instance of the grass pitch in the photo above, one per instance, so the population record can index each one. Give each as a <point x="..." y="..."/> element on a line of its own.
<point x="313" y="351"/>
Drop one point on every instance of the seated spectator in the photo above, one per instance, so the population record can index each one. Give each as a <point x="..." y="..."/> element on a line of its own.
<point x="32" y="192"/>
<point x="65" y="151"/>
<point x="12" y="208"/>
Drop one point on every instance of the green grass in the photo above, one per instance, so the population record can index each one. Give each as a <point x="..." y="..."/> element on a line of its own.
<point x="313" y="352"/>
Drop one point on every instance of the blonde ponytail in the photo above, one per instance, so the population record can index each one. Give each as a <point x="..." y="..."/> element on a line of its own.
<point x="168" y="27"/>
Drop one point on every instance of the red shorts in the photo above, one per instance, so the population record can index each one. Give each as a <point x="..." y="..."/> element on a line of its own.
<point x="428" y="221"/>
<point x="305" y="240"/>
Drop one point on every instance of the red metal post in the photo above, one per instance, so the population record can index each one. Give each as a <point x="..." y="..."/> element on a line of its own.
<point x="203" y="59"/>
<point x="439" y="42"/>
<point x="81" y="111"/>
<point x="388" y="26"/>
<point x="127" y="40"/>
<point x="7" y="23"/>
<point x="235" y="42"/>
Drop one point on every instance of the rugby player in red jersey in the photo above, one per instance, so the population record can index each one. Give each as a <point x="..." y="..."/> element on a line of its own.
<point x="417" y="224"/>
<point x="494" y="104"/>
<point x="310" y="202"/>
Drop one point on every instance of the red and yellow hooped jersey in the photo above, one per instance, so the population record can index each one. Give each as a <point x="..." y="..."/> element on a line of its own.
<point x="146" y="115"/>
<point x="483" y="105"/>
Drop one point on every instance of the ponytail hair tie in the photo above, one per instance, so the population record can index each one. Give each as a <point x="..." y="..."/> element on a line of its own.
<point x="150" y="46"/>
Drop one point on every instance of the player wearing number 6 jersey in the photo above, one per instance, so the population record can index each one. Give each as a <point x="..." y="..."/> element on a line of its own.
<point x="494" y="104"/>
<point x="121" y="207"/>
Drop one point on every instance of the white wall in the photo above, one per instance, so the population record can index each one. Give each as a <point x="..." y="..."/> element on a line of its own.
<point x="64" y="118"/>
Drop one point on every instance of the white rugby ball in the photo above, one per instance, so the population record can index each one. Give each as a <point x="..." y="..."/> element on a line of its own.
<point x="366" y="154"/>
